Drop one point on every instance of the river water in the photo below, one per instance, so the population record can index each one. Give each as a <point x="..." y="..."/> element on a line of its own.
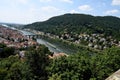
<point x="51" y="47"/>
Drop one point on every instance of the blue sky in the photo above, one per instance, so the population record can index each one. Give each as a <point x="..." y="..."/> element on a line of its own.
<point x="29" y="11"/>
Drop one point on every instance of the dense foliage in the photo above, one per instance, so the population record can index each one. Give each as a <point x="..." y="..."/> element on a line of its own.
<point x="84" y="65"/>
<point x="6" y="51"/>
<point x="31" y="67"/>
<point x="79" y="23"/>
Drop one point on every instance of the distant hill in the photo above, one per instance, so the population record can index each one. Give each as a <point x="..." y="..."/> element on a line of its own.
<point x="79" y="23"/>
<point x="12" y="24"/>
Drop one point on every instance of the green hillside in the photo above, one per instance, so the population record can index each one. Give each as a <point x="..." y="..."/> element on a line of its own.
<point x="79" y="23"/>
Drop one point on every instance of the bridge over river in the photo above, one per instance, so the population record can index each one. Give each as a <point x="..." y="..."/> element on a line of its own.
<point x="52" y="47"/>
<point x="56" y="48"/>
<point x="41" y="41"/>
<point x="35" y="36"/>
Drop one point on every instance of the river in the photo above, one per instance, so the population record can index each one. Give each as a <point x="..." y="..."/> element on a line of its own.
<point x="52" y="47"/>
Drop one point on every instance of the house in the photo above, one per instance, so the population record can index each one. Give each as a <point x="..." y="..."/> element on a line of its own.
<point x="21" y="54"/>
<point x="57" y="55"/>
<point x="90" y="45"/>
<point x="96" y="46"/>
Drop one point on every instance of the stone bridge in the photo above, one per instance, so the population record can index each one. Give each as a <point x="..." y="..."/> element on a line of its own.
<point x="35" y="36"/>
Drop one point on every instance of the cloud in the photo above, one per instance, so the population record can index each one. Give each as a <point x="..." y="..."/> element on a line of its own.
<point x="49" y="9"/>
<point x="74" y="11"/>
<point x="85" y="8"/>
<point x="109" y="12"/>
<point x="20" y="1"/>
<point x="115" y="2"/>
<point x="23" y="1"/>
<point x="43" y="13"/>
<point x="17" y="3"/>
<point x="15" y="17"/>
<point x="29" y="15"/>
<point x="68" y="1"/>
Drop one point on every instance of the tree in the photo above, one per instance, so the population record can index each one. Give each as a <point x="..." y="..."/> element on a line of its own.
<point x="14" y="73"/>
<point x="2" y="45"/>
<point x="6" y="51"/>
<point x="55" y="77"/>
<point x="37" y="61"/>
<point x="5" y="66"/>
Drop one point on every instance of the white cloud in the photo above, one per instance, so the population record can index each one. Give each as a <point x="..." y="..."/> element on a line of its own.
<point x="16" y="3"/>
<point x="49" y="9"/>
<point x="19" y="1"/>
<point x="23" y="1"/>
<point x="85" y="8"/>
<point x="68" y="1"/>
<point x="15" y="17"/>
<point x="29" y="15"/>
<point x="115" y="2"/>
<point x="74" y="11"/>
<point x="109" y="12"/>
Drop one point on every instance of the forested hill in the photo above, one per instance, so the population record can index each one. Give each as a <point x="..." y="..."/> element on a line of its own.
<point x="79" y="23"/>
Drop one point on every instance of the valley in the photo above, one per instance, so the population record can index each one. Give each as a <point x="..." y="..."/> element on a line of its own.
<point x="71" y="46"/>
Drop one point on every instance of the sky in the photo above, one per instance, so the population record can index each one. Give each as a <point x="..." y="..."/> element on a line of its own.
<point x="29" y="11"/>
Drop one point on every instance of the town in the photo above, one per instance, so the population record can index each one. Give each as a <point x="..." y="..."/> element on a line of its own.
<point x="94" y="41"/>
<point x="14" y="38"/>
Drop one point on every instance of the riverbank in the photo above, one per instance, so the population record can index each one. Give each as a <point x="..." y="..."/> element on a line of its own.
<point x="54" y="45"/>
<point x="61" y="45"/>
<point x="67" y="46"/>
<point x="17" y="39"/>
<point x="24" y="42"/>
